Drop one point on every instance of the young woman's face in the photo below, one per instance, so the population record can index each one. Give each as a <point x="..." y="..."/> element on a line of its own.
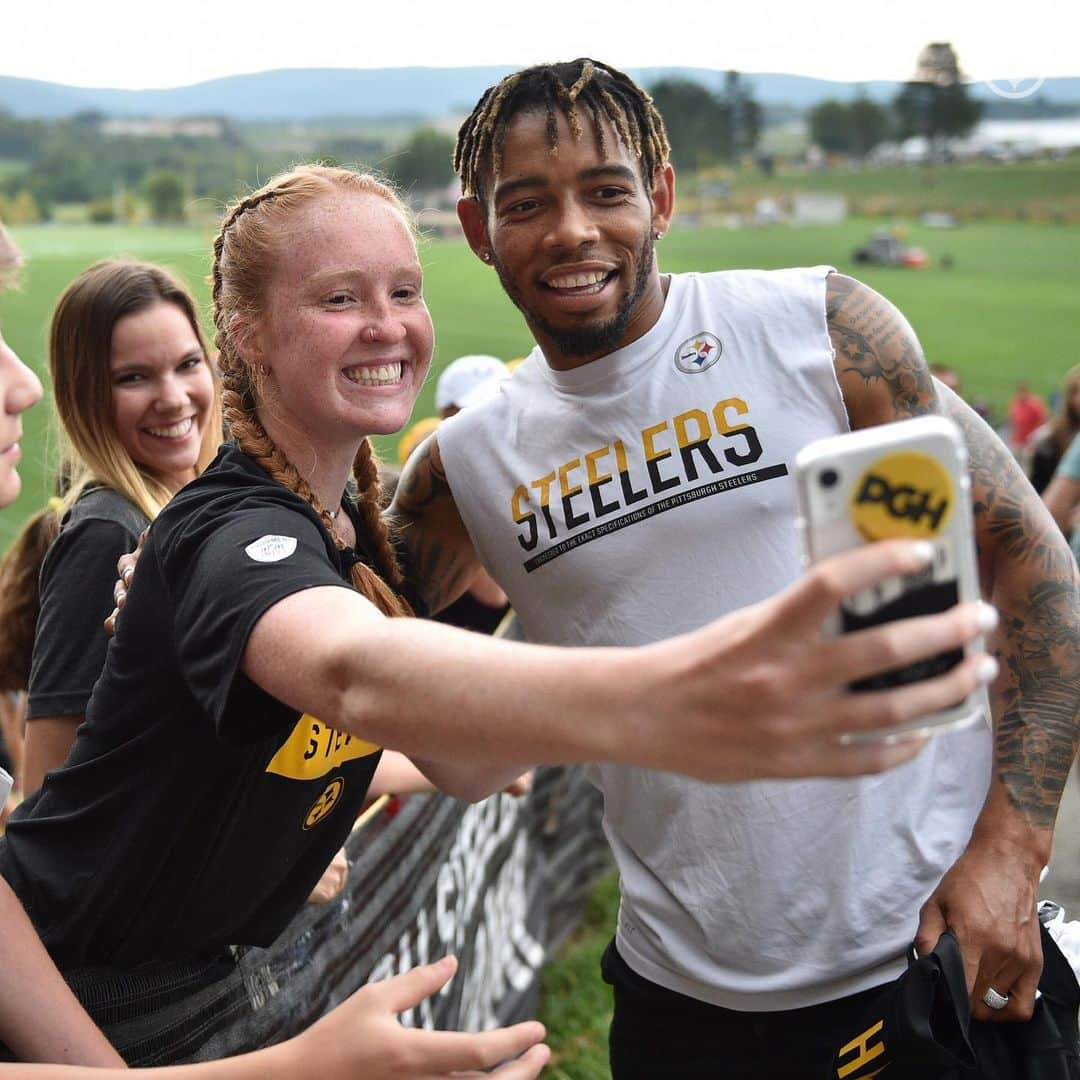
<point x="19" y="389"/>
<point x="345" y="338"/>
<point x="162" y="391"/>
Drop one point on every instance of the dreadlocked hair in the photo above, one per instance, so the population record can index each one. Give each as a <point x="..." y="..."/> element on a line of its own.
<point x="250" y="239"/>
<point x="582" y="85"/>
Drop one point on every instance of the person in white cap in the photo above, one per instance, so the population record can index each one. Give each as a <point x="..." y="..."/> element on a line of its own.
<point x="468" y="380"/>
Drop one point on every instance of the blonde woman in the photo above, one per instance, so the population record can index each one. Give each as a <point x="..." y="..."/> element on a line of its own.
<point x="138" y="409"/>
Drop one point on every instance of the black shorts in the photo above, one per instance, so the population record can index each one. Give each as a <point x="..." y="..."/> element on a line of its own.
<point x="658" y="1034"/>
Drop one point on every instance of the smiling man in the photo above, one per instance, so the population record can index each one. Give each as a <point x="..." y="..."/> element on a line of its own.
<point x="631" y="482"/>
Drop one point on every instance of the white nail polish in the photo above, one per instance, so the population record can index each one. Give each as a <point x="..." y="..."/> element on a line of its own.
<point x="987" y="619"/>
<point x="986" y="670"/>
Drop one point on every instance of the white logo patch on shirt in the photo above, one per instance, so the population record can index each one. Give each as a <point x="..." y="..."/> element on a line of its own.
<point x="698" y="353"/>
<point x="271" y="548"/>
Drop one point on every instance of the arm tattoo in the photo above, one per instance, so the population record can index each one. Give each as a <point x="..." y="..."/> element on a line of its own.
<point x="421" y="485"/>
<point x="439" y="571"/>
<point x="873" y="340"/>
<point x="1026" y="565"/>
<point x="1037" y="696"/>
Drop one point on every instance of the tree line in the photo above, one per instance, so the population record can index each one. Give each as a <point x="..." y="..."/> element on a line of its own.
<point x="77" y="159"/>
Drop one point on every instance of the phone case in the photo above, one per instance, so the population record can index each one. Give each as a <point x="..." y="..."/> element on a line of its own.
<point x="902" y="480"/>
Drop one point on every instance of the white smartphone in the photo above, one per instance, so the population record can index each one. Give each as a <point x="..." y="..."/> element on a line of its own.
<point x="902" y="480"/>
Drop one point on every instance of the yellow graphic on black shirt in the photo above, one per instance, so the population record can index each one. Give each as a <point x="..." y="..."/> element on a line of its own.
<point x="905" y="495"/>
<point x="314" y="749"/>
<point x="324" y="805"/>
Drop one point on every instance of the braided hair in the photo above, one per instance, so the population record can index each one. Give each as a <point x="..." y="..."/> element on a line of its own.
<point x="582" y="85"/>
<point x="244" y="249"/>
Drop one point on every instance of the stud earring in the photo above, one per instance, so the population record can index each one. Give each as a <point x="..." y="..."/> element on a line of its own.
<point x="659" y="234"/>
<point x="486" y="256"/>
<point x="264" y="370"/>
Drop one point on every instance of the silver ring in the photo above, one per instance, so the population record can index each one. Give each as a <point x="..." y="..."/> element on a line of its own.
<point x="993" y="1000"/>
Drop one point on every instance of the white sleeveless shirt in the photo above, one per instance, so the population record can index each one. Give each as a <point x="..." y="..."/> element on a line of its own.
<point x="640" y="496"/>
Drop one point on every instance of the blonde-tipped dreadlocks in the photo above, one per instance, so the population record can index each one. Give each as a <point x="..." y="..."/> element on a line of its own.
<point x="599" y="90"/>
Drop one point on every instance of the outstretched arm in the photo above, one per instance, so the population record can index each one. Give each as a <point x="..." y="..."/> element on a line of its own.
<point x="1029" y="574"/>
<point x="40" y="1018"/>
<point x="759" y="692"/>
<point x="360" y="1038"/>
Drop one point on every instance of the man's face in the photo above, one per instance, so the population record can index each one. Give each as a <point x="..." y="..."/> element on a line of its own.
<point x="571" y="237"/>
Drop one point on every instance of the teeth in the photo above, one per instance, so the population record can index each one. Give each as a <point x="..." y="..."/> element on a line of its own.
<point x="375" y="376"/>
<point x="578" y="281"/>
<point x="173" y="431"/>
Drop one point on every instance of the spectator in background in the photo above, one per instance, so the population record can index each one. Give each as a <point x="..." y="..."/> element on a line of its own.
<point x="412" y="438"/>
<point x="40" y="1019"/>
<point x="1062" y="495"/>
<point x="465" y="383"/>
<point x="137" y="403"/>
<point x="1049" y="443"/>
<point x="947" y="376"/>
<point x="1027" y="411"/>
<point x="468" y="380"/>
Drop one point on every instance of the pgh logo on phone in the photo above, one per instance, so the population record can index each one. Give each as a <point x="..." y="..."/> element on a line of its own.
<point x="903" y="495"/>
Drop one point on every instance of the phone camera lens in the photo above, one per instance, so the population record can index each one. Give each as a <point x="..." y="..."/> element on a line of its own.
<point x="829" y="478"/>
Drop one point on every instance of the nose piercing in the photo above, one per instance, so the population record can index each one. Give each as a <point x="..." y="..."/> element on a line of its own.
<point x="371" y="333"/>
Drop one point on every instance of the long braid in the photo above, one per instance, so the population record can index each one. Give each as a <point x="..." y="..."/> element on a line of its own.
<point x="369" y="506"/>
<point x="602" y="91"/>
<point x="239" y="392"/>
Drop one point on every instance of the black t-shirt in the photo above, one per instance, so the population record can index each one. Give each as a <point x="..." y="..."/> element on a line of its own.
<point x="195" y="811"/>
<point x="77" y="578"/>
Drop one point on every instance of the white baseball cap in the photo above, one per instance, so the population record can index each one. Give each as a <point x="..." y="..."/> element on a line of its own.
<point x="464" y="381"/>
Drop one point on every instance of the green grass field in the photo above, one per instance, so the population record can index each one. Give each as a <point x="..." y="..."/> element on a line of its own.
<point x="1042" y="190"/>
<point x="1008" y="309"/>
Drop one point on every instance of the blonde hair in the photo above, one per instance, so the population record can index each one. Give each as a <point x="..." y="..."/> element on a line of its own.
<point x="250" y="241"/>
<point x="80" y="344"/>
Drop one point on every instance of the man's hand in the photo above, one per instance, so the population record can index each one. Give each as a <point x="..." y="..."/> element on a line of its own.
<point x="125" y="571"/>
<point x="332" y="881"/>
<point x="363" y="1038"/>
<point x="988" y="899"/>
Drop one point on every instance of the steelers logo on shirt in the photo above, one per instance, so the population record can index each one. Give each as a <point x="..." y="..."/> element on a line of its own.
<point x="325" y="804"/>
<point x="698" y="353"/>
<point x="907" y="495"/>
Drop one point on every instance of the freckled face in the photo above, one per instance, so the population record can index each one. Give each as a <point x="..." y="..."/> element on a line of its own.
<point x="571" y="237"/>
<point x="162" y="391"/>
<point x="345" y="334"/>
<point x="19" y="389"/>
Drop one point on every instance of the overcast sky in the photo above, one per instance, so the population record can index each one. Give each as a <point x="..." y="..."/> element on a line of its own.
<point x="148" y="43"/>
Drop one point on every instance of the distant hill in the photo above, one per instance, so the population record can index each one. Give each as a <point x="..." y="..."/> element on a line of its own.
<point x="301" y="94"/>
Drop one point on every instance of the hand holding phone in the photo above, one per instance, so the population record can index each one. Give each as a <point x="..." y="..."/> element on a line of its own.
<point x="902" y="480"/>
